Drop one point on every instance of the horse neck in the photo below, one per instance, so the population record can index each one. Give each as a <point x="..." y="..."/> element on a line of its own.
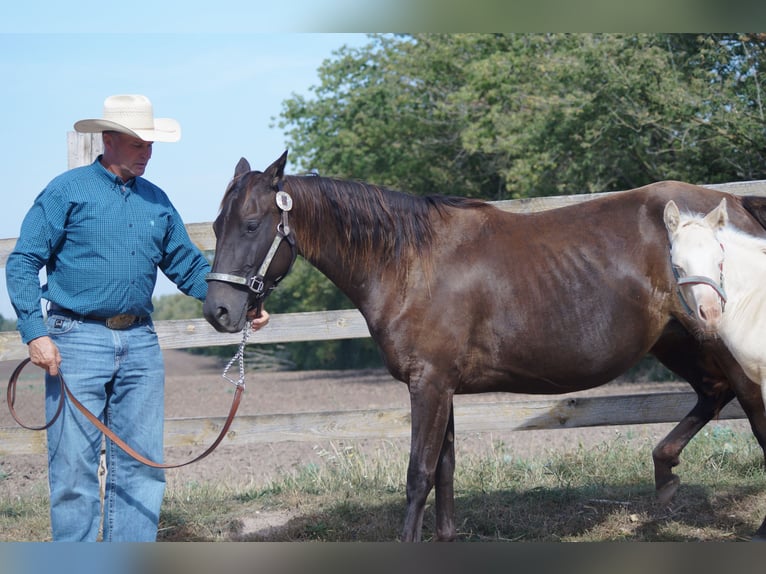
<point x="347" y="274"/>
<point x="346" y="244"/>
<point x="744" y="264"/>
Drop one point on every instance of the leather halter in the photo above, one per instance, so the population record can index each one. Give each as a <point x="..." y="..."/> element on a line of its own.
<point x="256" y="283"/>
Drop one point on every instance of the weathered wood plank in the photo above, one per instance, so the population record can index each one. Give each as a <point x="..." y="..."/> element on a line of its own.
<point x="283" y="328"/>
<point x="83" y="149"/>
<point x="547" y="413"/>
<point x="533" y="204"/>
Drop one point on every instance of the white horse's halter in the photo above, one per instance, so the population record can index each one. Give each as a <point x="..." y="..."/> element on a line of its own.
<point x="700" y="280"/>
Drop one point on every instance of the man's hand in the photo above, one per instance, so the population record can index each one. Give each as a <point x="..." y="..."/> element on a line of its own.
<point x="258" y="318"/>
<point x="44" y="353"/>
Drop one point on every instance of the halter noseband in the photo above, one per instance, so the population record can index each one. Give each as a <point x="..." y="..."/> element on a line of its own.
<point x="700" y="280"/>
<point x="256" y="283"/>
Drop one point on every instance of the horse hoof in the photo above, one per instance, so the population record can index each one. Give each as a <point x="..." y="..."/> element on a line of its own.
<point x="666" y="492"/>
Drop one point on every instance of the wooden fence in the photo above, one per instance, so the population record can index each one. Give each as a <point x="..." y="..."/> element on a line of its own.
<point x="546" y="413"/>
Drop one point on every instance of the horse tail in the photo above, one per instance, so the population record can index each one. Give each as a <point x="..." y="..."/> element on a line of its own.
<point x="756" y="206"/>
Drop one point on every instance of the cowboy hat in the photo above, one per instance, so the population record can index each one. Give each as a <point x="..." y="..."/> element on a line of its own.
<point x="132" y="115"/>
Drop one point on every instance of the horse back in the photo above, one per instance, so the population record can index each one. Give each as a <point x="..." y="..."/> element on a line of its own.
<point x="756" y="207"/>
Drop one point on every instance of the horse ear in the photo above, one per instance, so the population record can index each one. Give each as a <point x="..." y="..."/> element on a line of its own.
<point x="242" y="167"/>
<point x="277" y="169"/>
<point x="719" y="217"/>
<point x="672" y="216"/>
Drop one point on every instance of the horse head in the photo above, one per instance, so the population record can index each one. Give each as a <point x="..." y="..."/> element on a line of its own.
<point x="254" y="245"/>
<point x="697" y="257"/>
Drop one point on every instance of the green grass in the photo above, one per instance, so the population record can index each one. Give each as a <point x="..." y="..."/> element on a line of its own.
<point x="604" y="493"/>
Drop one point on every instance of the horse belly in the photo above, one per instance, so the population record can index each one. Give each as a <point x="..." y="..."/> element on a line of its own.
<point x="556" y="355"/>
<point x="533" y="311"/>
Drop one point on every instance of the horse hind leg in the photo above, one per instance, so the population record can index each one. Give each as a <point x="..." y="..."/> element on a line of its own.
<point x="667" y="453"/>
<point x="753" y="402"/>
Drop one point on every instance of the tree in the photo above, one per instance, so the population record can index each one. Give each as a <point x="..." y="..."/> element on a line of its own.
<point x="7" y="324"/>
<point x="520" y="115"/>
<point x="380" y="114"/>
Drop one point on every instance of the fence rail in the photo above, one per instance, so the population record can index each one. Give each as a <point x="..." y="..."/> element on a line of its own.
<point x="348" y="324"/>
<point x="546" y="413"/>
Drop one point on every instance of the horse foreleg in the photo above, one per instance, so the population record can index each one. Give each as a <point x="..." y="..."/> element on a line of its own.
<point x="431" y="414"/>
<point x="667" y="453"/>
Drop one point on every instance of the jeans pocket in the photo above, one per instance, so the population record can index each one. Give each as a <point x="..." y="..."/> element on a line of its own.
<point x="60" y="325"/>
<point x="149" y="326"/>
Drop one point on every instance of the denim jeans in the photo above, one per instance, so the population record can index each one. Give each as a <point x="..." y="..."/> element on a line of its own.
<point x="120" y="377"/>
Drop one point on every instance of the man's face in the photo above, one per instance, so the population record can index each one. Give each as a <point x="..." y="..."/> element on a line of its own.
<point x="126" y="155"/>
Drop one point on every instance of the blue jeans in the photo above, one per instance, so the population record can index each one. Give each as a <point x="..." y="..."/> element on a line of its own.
<point x="120" y="377"/>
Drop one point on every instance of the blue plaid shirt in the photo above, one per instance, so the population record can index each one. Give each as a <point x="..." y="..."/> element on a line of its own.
<point x="101" y="241"/>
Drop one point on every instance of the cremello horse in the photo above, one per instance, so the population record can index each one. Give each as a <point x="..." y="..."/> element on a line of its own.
<point x="722" y="277"/>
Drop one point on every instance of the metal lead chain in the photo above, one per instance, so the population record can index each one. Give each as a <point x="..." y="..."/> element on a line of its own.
<point x="239" y="355"/>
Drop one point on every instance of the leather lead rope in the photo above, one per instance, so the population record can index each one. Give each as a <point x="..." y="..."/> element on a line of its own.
<point x="11" y="395"/>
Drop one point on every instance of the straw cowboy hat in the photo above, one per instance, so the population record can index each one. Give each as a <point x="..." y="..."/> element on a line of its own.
<point x="132" y="115"/>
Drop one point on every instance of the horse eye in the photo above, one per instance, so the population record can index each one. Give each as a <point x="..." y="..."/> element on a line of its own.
<point x="252" y="226"/>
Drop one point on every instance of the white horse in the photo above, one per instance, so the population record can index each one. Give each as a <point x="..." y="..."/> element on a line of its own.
<point x="722" y="278"/>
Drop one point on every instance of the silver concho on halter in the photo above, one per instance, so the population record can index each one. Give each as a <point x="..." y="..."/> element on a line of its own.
<point x="284" y="201"/>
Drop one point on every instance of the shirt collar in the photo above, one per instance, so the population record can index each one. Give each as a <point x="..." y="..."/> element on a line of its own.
<point x="113" y="178"/>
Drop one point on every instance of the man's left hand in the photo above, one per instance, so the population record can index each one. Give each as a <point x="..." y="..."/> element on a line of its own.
<point x="258" y="318"/>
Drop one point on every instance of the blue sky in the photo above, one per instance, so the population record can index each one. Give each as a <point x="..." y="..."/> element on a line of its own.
<point x="224" y="89"/>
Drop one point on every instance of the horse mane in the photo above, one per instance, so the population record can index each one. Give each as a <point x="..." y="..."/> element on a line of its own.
<point x="380" y="225"/>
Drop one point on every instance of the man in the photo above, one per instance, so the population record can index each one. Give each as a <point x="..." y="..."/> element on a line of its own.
<point x="101" y="232"/>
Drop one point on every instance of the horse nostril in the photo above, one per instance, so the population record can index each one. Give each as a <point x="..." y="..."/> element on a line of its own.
<point x="702" y="314"/>
<point x="221" y="313"/>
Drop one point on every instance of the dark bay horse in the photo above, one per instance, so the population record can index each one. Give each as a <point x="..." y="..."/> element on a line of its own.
<point x="462" y="297"/>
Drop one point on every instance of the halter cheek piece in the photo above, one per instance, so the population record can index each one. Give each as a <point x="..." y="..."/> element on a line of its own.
<point x="256" y="283"/>
<point x="700" y="280"/>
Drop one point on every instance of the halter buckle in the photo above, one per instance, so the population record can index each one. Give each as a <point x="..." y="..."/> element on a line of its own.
<point x="256" y="284"/>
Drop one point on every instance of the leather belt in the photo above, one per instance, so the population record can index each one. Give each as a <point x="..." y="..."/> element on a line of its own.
<point x="116" y="322"/>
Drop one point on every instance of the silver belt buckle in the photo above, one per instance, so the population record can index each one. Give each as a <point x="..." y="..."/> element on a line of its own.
<point x="121" y="321"/>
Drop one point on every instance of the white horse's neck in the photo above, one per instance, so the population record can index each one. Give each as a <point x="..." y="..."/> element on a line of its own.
<point x="744" y="265"/>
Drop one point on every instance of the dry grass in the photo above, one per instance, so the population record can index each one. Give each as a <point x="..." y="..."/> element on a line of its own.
<point x="595" y="494"/>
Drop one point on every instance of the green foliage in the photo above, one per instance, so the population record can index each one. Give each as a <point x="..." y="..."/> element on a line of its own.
<point x="176" y="307"/>
<point x="521" y="115"/>
<point x="7" y="324"/>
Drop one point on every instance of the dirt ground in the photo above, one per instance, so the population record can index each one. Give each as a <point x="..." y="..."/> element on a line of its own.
<point x="194" y="388"/>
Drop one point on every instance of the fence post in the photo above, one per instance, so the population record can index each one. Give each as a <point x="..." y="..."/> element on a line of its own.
<point x="83" y="149"/>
